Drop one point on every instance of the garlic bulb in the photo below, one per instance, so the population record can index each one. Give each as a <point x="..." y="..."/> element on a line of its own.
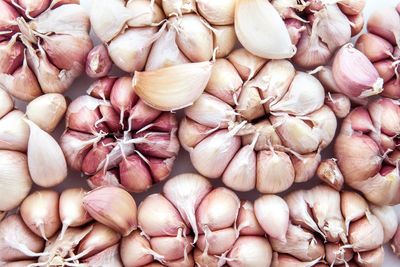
<point x="59" y="31"/>
<point x="117" y="139"/>
<point x="228" y="134"/>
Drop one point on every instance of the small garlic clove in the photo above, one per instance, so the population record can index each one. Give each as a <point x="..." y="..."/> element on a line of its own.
<point x="339" y="103"/>
<point x="10" y="14"/>
<point x="134" y="174"/>
<point x="191" y="133"/>
<point x="246" y="63"/>
<point x="33" y="8"/>
<point x="352" y="7"/>
<point x="179" y="7"/>
<point x="101" y="178"/>
<point x="136" y="250"/>
<point x="385" y="116"/>
<point x="250" y="251"/>
<point x="392" y="89"/>
<point x="395" y="244"/>
<point x="107" y="257"/>
<point x="370" y="258"/>
<point x="276" y="226"/>
<point x="155" y="144"/>
<point x="41" y="148"/>
<point x="350" y="61"/>
<point x="101" y="88"/>
<point x="141" y="115"/>
<point x="336" y="254"/>
<point x="224" y="40"/>
<point x="6" y="103"/>
<point x="266" y="133"/>
<point x="249" y="103"/>
<point x="374" y="47"/>
<point x="144" y="13"/>
<point x="388" y="218"/>
<point x="305" y="166"/>
<point x="217" y="242"/>
<point x="12" y="55"/>
<point x="353" y="206"/>
<point x="357" y="23"/>
<point x="166" y="122"/>
<point x="385" y="22"/>
<point x="366" y="233"/>
<point x="158" y="217"/>
<point x="217" y="13"/>
<point x="46" y="111"/>
<point x="15" y="182"/>
<point x="110" y="118"/>
<point x="14" y="133"/>
<point x="98" y="62"/>
<point x="160" y="168"/>
<point x="194" y="37"/>
<point x="100" y="238"/>
<point x="103" y="202"/>
<point x="246" y="223"/>
<point x="186" y="191"/>
<point x="96" y="155"/>
<point x="359" y="120"/>
<point x="40" y="213"/>
<point x="18" y="242"/>
<point x="386" y="72"/>
<point x="177" y="83"/>
<point x="275" y="172"/>
<point x="253" y="25"/>
<point x="329" y="172"/>
<point x="171" y="247"/>
<point x="210" y="111"/>
<point x="123" y="96"/>
<point x="218" y="210"/>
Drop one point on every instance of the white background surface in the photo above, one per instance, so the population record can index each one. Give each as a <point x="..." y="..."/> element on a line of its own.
<point x="182" y="163"/>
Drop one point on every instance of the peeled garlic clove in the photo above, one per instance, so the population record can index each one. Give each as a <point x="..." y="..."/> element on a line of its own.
<point x="374" y="47"/>
<point x="366" y="233"/>
<point x="144" y="13"/>
<point x="275" y="172"/>
<point x="385" y="22"/>
<point x="103" y="202"/>
<point x="348" y="61"/>
<point x="17" y="241"/>
<point x="277" y="225"/>
<point x="247" y="223"/>
<point x="249" y="103"/>
<point x="339" y="103"/>
<point x="212" y="155"/>
<point x="370" y="258"/>
<point x="304" y="95"/>
<point x="98" y="62"/>
<point x="108" y="18"/>
<point x="211" y="111"/>
<point x="100" y="238"/>
<point x="15" y="182"/>
<point x="178" y="7"/>
<point x="217" y="13"/>
<point x="158" y="217"/>
<point x="251" y="251"/>
<point x="335" y="254"/>
<point x="7" y="104"/>
<point x="224" y="39"/>
<point x="171" y="247"/>
<point x="186" y="191"/>
<point x="246" y="63"/>
<point x="191" y="133"/>
<point x="194" y="38"/>
<point x="107" y="257"/>
<point x="388" y="218"/>
<point x="41" y="148"/>
<point x="129" y="50"/>
<point x="136" y="250"/>
<point x="329" y="172"/>
<point x="40" y="213"/>
<point x="155" y="144"/>
<point x="266" y="133"/>
<point x="177" y="83"/>
<point x="46" y="111"/>
<point x="253" y="25"/>
<point x="218" y="210"/>
<point x="14" y="133"/>
<point x="305" y="166"/>
<point x="134" y="174"/>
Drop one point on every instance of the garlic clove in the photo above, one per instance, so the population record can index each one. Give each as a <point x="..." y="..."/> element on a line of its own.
<point x="46" y="111"/>
<point x="107" y="257"/>
<point x="275" y="172"/>
<point x="179" y="7"/>
<point x="212" y="155"/>
<point x="352" y="7"/>
<point x="276" y="226"/>
<point x="210" y="111"/>
<point x="101" y="178"/>
<point x="7" y="103"/>
<point x="10" y="14"/>
<point x="386" y="72"/>
<point x="134" y="174"/>
<point x="130" y="49"/>
<point x="165" y="52"/>
<point x="251" y="251"/>
<point x="33" y="8"/>
<point x="41" y="148"/>
<point x="353" y="207"/>
<point x="357" y="23"/>
<point x="100" y="238"/>
<point x="266" y="133"/>
<point x="204" y="259"/>
<point x="336" y="254"/>
<point x="123" y="96"/>
<point x="249" y="103"/>
<point x="18" y="242"/>
<point x="141" y="115"/>
<point x="224" y="40"/>
<point x="305" y="166"/>
<point x="225" y="82"/>
<point x="108" y="18"/>
<point x="101" y="88"/>
<point x="110" y="118"/>
<point x="158" y="217"/>
<point x="113" y="207"/>
<point x="385" y="116"/>
<point x="96" y="155"/>
<point x="177" y="83"/>
<point x="253" y="20"/>
<point x="359" y="120"/>
<point x="392" y="89"/>
<point x="136" y="250"/>
<point x="160" y="168"/>
<point x="98" y="62"/>
<point x="370" y="258"/>
<point x="246" y="223"/>
<point x="366" y="233"/>
<point x="15" y="182"/>
<point x="14" y="133"/>
<point x="144" y="13"/>
<point x="186" y="192"/>
<point x="246" y="63"/>
<point x="12" y="55"/>
<point x="40" y="213"/>
<point x="171" y="247"/>
<point x="217" y="13"/>
<point x="295" y="28"/>
<point x="155" y="144"/>
<point x="166" y="122"/>
<point x="374" y="47"/>
<point x="395" y="244"/>
<point x="194" y="37"/>
<point x="388" y="218"/>
<point x="191" y="133"/>
<point x="339" y="103"/>
<point x="217" y="242"/>
<point x="354" y="73"/>
<point x="305" y="95"/>
<point x="385" y="23"/>
<point x="329" y="172"/>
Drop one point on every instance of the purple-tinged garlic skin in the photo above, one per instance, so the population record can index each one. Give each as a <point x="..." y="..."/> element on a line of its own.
<point x="98" y="62"/>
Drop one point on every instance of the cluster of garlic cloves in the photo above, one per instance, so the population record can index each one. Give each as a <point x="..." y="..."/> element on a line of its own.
<point x="43" y="46"/>
<point x="117" y="139"/>
<point x="259" y="124"/>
